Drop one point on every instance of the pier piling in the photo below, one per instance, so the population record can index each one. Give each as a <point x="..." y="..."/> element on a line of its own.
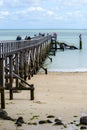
<point x="80" y="41"/>
<point x="2" y="83"/>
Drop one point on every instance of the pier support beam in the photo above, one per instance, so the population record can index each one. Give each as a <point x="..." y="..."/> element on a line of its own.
<point x="53" y="42"/>
<point x="21" y="65"/>
<point x="2" y="83"/>
<point x="17" y="69"/>
<point x="11" y="76"/>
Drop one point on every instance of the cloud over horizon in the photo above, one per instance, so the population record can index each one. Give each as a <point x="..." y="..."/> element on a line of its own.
<point x="42" y="14"/>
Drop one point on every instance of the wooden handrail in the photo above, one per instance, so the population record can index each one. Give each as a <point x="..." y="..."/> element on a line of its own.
<point x="8" y="47"/>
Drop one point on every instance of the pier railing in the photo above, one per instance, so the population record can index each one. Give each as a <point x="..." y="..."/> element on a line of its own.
<point x="8" y="47"/>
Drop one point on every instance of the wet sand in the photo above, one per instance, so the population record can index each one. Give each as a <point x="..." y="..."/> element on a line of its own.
<point x="63" y="95"/>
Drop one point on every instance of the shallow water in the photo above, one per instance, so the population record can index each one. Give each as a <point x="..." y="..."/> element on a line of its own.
<point x="64" y="61"/>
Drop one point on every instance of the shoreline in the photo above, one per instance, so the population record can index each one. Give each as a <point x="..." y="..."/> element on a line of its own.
<point x="62" y="94"/>
<point x="65" y="71"/>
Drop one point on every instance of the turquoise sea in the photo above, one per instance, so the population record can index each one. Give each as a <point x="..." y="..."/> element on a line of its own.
<point x="64" y="61"/>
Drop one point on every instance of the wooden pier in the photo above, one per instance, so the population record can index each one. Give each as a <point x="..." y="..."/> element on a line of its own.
<point x="20" y="60"/>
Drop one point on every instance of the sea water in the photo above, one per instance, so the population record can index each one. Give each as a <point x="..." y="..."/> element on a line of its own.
<point x="64" y="61"/>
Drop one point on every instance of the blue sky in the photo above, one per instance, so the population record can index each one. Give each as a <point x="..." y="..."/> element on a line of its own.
<point x="43" y="14"/>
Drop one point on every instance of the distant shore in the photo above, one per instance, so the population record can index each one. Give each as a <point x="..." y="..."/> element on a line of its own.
<point x="63" y="95"/>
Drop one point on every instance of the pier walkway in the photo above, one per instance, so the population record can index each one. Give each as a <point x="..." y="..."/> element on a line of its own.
<point x="20" y="60"/>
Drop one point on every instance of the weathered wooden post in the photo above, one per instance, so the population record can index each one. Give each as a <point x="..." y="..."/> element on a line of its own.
<point x="37" y="59"/>
<point x="29" y="67"/>
<point x="53" y="41"/>
<point x="32" y="92"/>
<point x="6" y="71"/>
<point x="11" y="76"/>
<point x="2" y="98"/>
<point x="26" y="65"/>
<point x="80" y="42"/>
<point x="17" y="69"/>
<point x="21" y="71"/>
<point x="31" y="63"/>
<point x="2" y="83"/>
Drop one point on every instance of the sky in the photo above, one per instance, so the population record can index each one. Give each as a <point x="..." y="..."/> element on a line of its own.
<point x="43" y="14"/>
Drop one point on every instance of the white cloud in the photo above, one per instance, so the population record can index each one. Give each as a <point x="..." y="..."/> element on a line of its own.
<point x="21" y="3"/>
<point x="74" y="3"/>
<point x="36" y="9"/>
<point x="43" y="11"/>
<point x="3" y="14"/>
<point x="37" y="12"/>
<point x="50" y="13"/>
<point x="1" y="2"/>
<point x="75" y="14"/>
<point x="28" y="11"/>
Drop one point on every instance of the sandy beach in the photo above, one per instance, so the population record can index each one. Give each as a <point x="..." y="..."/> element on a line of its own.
<point x="63" y="95"/>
